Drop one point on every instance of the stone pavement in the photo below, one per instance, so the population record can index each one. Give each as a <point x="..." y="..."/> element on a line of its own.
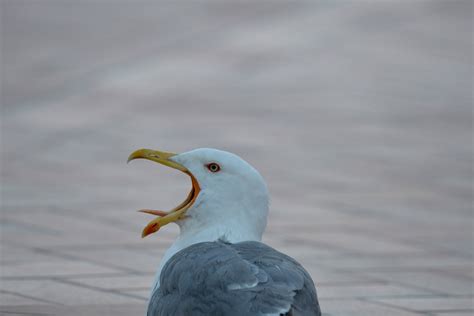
<point x="358" y="114"/>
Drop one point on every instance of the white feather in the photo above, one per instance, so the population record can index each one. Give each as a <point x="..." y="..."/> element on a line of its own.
<point x="232" y="204"/>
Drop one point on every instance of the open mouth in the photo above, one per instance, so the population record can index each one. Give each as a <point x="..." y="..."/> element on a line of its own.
<point x="179" y="212"/>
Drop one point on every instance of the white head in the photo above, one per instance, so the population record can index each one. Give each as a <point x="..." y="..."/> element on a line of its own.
<point x="229" y="198"/>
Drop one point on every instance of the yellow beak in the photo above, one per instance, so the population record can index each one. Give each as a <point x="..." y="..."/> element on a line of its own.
<point x="157" y="156"/>
<point x="178" y="212"/>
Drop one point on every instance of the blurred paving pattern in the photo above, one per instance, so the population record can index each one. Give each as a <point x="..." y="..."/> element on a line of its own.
<point x="357" y="114"/>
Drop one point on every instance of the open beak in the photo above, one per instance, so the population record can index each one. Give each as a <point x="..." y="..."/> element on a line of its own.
<point x="179" y="211"/>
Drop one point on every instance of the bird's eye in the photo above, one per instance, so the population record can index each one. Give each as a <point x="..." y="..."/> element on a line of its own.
<point x="213" y="167"/>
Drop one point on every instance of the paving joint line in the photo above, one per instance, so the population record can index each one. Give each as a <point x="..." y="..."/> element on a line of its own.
<point x="30" y="297"/>
<point x="99" y="289"/>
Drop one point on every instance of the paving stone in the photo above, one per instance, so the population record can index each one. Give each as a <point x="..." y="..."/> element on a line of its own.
<point x="454" y="313"/>
<point x="340" y="291"/>
<point x="330" y="277"/>
<point x="53" y="267"/>
<point x="427" y="261"/>
<point x="12" y="255"/>
<point x="465" y="272"/>
<point x="349" y="307"/>
<point x="139" y="261"/>
<point x="448" y="304"/>
<point x="359" y="124"/>
<point x="145" y="294"/>
<point x="84" y="310"/>
<point x="358" y="243"/>
<point x="438" y="283"/>
<point x="120" y="283"/>
<point x="9" y="299"/>
<point x="66" y="293"/>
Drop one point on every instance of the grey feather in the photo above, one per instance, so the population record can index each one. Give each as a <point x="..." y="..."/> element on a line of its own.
<point x="247" y="278"/>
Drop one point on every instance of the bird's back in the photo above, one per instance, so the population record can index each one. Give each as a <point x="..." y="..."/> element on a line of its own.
<point x="246" y="278"/>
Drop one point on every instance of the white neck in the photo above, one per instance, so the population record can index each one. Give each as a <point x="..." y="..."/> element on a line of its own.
<point x="231" y="231"/>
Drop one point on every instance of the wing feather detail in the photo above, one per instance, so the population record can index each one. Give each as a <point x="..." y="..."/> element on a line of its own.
<point x="247" y="278"/>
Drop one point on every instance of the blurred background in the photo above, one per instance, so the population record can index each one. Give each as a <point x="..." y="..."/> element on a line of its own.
<point x="357" y="113"/>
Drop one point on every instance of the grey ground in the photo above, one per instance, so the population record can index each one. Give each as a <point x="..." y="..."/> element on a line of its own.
<point x="358" y="114"/>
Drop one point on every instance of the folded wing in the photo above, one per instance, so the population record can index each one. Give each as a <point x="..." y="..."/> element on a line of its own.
<point x="247" y="278"/>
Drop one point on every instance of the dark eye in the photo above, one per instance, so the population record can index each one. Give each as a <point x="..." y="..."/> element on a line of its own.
<point x="213" y="167"/>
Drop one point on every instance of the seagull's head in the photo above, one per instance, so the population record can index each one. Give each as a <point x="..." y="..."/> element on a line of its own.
<point x="226" y="191"/>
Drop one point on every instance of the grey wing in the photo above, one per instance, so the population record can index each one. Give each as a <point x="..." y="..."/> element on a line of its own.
<point x="248" y="278"/>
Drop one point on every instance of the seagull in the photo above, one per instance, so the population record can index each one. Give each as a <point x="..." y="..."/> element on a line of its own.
<point x="218" y="264"/>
